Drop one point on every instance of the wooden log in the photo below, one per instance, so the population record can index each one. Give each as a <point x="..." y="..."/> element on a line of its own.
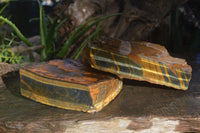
<point x="140" y="61"/>
<point x="68" y="84"/>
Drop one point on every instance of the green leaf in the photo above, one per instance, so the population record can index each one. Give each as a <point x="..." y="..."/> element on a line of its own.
<point x="71" y="40"/>
<point x="60" y="24"/>
<point x="85" y="42"/>
<point x="19" y="34"/>
<point x="42" y="31"/>
<point x="50" y="38"/>
<point x="79" y="32"/>
<point x="3" y="8"/>
<point x="33" y="19"/>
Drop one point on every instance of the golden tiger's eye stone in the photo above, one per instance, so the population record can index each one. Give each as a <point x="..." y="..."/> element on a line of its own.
<point x="68" y="84"/>
<point x="140" y="61"/>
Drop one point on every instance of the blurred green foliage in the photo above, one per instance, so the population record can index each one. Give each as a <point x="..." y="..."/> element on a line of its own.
<point x="49" y="37"/>
<point x="6" y="55"/>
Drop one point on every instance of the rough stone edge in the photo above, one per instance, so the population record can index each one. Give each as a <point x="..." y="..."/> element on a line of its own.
<point x="6" y="68"/>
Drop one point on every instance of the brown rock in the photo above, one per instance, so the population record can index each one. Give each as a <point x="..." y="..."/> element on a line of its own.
<point x="4" y="69"/>
<point x="15" y="125"/>
<point x="68" y="84"/>
<point x="139" y="60"/>
<point x="189" y="125"/>
<point x="139" y="124"/>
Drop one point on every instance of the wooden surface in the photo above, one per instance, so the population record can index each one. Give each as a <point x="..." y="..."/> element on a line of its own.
<point x="139" y="107"/>
<point x="139" y="60"/>
<point x="68" y="84"/>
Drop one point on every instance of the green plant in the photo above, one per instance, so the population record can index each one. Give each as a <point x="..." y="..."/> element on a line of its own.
<point x="85" y="42"/>
<point x="79" y="32"/>
<point x="48" y="33"/>
<point x="1" y="22"/>
<point x="3" y="8"/>
<point x="19" y="34"/>
<point x="8" y="56"/>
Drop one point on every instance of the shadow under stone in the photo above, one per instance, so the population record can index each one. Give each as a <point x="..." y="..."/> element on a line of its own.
<point x="12" y="82"/>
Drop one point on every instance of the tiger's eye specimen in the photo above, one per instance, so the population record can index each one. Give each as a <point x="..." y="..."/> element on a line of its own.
<point x="140" y="61"/>
<point x="68" y="84"/>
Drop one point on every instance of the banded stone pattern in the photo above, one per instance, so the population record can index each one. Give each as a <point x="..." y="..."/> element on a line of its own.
<point x="139" y="67"/>
<point x="68" y="85"/>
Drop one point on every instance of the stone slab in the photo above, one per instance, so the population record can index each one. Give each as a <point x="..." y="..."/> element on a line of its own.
<point x="142" y="61"/>
<point x="68" y="84"/>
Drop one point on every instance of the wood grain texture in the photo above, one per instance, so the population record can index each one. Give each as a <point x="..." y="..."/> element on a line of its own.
<point x="139" y="60"/>
<point x="68" y="84"/>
